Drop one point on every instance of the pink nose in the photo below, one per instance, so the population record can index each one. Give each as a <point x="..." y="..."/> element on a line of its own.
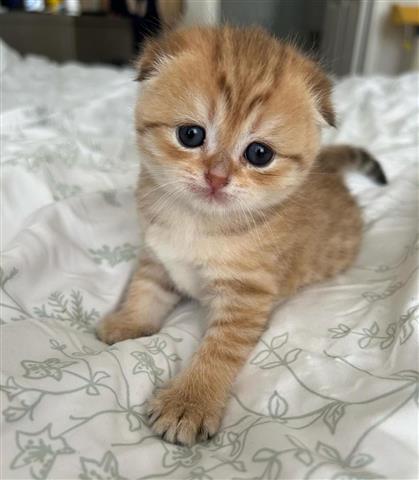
<point x="216" y="182"/>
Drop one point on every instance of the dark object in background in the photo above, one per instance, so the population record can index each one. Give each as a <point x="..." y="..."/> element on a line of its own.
<point x="12" y="4"/>
<point x="146" y="26"/>
<point x="100" y="36"/>
<point x="142" y="26"/>
<point x="88" y="38"/>
<point x="63" y="38"/>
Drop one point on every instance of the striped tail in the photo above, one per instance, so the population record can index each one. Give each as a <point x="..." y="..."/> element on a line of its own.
<point x="334" y="158"/>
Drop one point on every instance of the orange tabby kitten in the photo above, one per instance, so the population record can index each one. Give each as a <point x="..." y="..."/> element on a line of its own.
<point x="239" y="207"/>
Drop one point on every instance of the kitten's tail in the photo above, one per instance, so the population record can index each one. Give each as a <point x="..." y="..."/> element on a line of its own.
<point x="334" y="158"/>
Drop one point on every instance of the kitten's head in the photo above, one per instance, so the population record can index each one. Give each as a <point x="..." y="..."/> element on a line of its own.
<point x="229" y="119"/>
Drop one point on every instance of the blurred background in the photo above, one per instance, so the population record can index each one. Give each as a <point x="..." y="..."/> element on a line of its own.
<point x="350" y="37"/>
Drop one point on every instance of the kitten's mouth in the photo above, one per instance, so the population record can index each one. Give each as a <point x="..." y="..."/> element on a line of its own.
<point x="209" y="195"/>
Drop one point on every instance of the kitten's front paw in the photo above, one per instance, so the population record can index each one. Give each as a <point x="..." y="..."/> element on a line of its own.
<point x="119" y="326"/>
<point x="183" y="417"/>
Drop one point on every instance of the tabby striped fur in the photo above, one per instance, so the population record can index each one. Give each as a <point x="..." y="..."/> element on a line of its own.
<point x="277" y="229"/>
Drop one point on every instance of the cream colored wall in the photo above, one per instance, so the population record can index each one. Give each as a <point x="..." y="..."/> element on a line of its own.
<point x="384" y="47"/>
<point x="384" y="53"/>
<point x="202" y="12"/>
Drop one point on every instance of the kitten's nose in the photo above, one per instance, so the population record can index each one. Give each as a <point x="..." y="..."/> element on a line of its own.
<point x="216" y="182"/>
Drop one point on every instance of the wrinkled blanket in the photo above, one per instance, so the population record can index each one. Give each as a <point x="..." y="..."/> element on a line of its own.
<point x="330" y="391"/>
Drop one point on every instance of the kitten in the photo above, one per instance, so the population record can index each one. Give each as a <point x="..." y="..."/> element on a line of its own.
<point x="239" y="207"/>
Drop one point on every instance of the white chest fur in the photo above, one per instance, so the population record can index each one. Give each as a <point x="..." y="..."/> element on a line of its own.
<point x="177" y="249"/>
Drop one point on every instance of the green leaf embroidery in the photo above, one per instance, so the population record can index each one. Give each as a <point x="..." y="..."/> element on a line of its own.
<point x="366" y="340"/>
<point x="134" y="422"/>
<point x="360" y="460"/>
<point x="147" y="365"/>
<point x="406" y="332"/>
<point x="234" y="441"/>
<point x="199" y="473"/>
<point x="239" y="466"/>
<point x="100" y="375"/>
<point x="279" y="341"/>
<point x="333" y="414"/>
<point x="328" y="452"/>
<point x="22" y="404"/>
<point x="370" y="337"/>
<point x="70" y="310"/>
<point x="362" y="475"/>
<point x="11" y="414"/>
<point x="110" y="197"/>
<point x="92" y="390"/>
<point x="374" y="329"/>
<point x="292" y="355"/>
<point x="114" y="256"/>
<point x="4" y="277"/>
<point x="180" y="456"/>
<point x="273" y="464"/>
<point x="48" y="368"/>
<point x="156" y="346"/>
<point x="9" y="303"/>
<point x="38" y="451"/>
<point x="105" y="469"/>
<point x="274" y="364"/>
<point x="304" y="456"/>
<point x="296" y="442"/>
<point x="11" y="388"/>
<point x="277" y="405"/>
<point x="340" y="331"/>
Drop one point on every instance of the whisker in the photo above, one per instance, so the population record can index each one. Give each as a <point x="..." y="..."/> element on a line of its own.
<point x="164" y="201"/>
<point x="161" y="186"/>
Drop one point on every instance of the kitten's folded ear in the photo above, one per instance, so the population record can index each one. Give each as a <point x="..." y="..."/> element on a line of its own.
<point x="321" y="88"/>
<point x="147" y="61"/>
<point x="156" y="52"/>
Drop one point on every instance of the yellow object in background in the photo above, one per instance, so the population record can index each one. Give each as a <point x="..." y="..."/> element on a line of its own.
<point x="405" y="15"/>
<point x="53" y="5"/>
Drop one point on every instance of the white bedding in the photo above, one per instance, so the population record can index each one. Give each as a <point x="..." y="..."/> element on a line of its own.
<point x="330" y="391"/>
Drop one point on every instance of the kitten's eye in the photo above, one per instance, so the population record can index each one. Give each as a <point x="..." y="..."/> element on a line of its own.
<point x="191" y="136"/>
<point x="258" y="154"/>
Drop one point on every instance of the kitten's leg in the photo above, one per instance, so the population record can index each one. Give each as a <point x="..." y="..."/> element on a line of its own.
<point x="190" y="408"/>
<point x="149" y="298"/>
